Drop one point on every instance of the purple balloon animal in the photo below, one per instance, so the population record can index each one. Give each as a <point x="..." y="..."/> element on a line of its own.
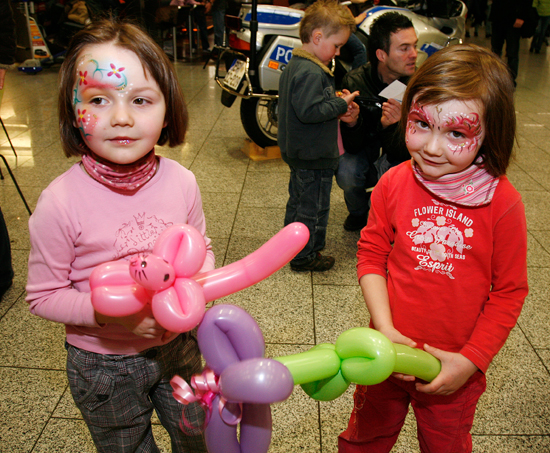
<point x="233" y="346"/>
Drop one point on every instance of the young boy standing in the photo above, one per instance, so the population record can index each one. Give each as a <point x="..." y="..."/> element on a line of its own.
<point x="309" y="109"/>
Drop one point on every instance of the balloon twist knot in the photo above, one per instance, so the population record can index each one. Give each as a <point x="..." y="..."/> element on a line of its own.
<point x="203" y="389"/>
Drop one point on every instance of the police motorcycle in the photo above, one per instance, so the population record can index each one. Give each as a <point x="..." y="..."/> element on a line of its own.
<point x="262" y="37"/>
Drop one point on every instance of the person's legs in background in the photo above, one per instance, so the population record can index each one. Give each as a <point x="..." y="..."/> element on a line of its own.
<point x="511" y="36"/>
<point x="498" y="35"/>
<point x="6" y="269"/>
<point x="488" y="23"/>
<point x="218" y="17"/>
<point x="352" y="178"/>
<point x="200" y="19"/>
<point x="540" y="33"/>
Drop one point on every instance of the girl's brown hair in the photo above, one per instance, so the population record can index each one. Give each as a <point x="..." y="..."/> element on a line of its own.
<point x="329" y="16"/>
<point x="470" y="73"/>
<point x="131" y="37"/>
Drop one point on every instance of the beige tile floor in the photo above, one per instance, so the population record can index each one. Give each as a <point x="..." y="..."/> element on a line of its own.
<point x="244" y="204"/>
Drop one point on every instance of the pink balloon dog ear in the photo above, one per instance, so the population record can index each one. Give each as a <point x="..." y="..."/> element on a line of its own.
<point x="180" y="306"/>
<point x="183" y="247"/>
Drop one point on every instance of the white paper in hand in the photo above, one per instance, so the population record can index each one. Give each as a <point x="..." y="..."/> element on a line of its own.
<point x="394" y="90"/>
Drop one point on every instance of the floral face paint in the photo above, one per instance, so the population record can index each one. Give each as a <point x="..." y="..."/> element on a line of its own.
<point x="95" y="74"/>
<point x="444" y="138"/>
<point x="119" y="107"/>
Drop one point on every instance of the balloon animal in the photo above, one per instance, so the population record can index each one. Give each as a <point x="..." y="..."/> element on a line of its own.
<point x="243" y="383"/>
<point x="167" y="278"/>
<point x="246" y="383"/>
<point x="360" y="356"/>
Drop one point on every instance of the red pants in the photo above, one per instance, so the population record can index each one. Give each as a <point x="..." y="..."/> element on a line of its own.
<point x="443" y="422"/>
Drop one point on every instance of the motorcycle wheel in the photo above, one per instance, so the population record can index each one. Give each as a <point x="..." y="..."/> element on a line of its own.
<point x="259" y="119"/>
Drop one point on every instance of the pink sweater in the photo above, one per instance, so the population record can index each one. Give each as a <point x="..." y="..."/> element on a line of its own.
<point x="79" y="223"/>
<point x="457" y="276"/>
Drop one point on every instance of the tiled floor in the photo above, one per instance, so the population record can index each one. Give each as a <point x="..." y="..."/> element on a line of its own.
<point x="244" y="204"/>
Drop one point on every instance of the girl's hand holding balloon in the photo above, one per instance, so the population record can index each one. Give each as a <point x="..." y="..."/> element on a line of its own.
<point x="142" y="323"/>
<point x="397" y="337"/>
<point x="455" y="371"/>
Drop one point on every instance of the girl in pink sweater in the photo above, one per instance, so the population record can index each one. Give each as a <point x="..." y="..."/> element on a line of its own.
<point x="119" y="97"/>
<point x="442" y="260"/>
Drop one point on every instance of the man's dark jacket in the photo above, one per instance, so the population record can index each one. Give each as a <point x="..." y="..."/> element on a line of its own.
<point x="368" y="135"/>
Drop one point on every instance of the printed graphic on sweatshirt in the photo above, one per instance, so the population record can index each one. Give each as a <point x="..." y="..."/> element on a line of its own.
<point x="138" y="234"/>
<point x="440" y="237"/>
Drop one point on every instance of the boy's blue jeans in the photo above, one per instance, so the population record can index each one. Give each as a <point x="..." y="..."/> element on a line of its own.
<point x="118" y="393"/>
<point x="309" y="203"/>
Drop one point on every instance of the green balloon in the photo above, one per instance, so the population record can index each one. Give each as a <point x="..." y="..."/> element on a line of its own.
<point x="416" y="362"/>
<point x="361" y="355"/>
<point x="368" y="356"/>
<point x="320" y="362"/>
<point x="326" y="389"/>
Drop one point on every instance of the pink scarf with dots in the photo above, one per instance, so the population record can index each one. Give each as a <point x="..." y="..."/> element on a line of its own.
<point x="122" y="177"/>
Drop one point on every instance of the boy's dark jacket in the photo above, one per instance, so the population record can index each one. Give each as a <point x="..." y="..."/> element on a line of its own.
<point x="308" y="113"/>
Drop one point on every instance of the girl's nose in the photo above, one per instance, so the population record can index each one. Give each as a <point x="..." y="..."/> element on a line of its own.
<point x="433" y="146"/>
<point x="121" y="116"/>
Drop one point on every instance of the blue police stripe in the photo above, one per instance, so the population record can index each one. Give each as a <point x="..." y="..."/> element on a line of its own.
<point x="274" y="18"/>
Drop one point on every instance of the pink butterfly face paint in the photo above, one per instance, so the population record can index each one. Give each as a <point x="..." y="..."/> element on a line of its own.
<point x="444" y="138"/>
<point x="118" y="106"/>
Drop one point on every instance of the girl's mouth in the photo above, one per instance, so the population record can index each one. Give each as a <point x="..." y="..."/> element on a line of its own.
<point x="431" y="162"/>
<point x="122" y="140"/>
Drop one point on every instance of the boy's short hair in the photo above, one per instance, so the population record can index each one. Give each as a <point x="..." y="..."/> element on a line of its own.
<point x="468" y="72"/>
<point x="131" y="37"/>
<point x="328" y="15"/>
<point x="380" y="33"/>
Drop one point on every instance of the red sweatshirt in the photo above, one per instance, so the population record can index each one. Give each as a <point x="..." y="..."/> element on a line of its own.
<point x="457" y="276"/>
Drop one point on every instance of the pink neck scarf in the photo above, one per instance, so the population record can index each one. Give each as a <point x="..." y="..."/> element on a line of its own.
<point x="122" y="177"/>
<point x="471" y="187"/>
